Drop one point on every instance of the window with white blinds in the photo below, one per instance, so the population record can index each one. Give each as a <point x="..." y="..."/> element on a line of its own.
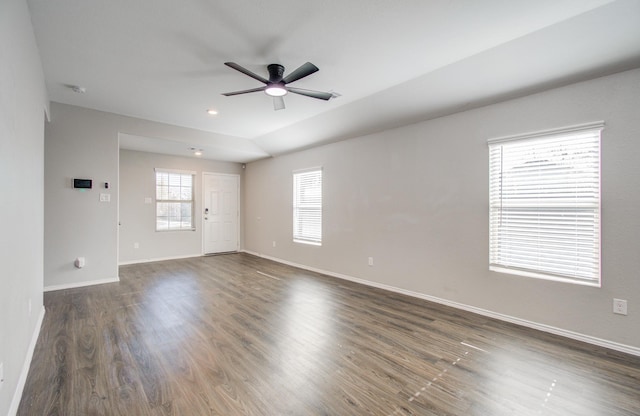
<point x="545" y="204"/>
<point x="174" y="200"/>
<point x="307" y="206"/>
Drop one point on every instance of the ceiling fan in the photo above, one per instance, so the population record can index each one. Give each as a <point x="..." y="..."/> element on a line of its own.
<point x="277" y="84"/>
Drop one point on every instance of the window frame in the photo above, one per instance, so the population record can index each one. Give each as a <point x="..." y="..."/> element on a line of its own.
<point x="159" y="200"/>
<point x="549" y="265"/>
<point x="310" y="204"/>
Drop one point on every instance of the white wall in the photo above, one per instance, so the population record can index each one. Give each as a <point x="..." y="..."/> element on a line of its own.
<point x="416" y="200"/>
<point x="83" y="143"/>
<point x="137" y="219"/>
<point x="23" y="103"/>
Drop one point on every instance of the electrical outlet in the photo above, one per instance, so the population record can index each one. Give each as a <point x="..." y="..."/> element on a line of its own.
<point x="29" y="307"/>
<point x="136" y="245"/>
<point x="1" y="374"/>
<point x="274" y="243"/>
<point x="370" y="261"/>
<point x="620" y="306"/>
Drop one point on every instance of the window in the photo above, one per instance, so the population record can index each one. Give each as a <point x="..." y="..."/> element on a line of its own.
<point x="545" y="204"/>
<point x="174" y="200"/>
<point x="307" y="206"/>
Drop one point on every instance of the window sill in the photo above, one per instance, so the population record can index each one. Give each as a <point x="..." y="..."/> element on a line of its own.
<point x="517" y="272"/>
<point x="310" y="243"/>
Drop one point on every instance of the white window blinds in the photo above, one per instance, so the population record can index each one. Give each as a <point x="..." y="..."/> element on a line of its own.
<point x="307" y="206"/>
<point x="545" y="204"/>
<point x="174" y="200"/>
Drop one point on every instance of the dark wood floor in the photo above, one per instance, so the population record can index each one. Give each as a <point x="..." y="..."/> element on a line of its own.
<point x="240" y="335"/>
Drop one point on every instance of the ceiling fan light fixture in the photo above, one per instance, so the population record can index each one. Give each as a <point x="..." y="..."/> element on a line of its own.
<point x="275" y="90"/>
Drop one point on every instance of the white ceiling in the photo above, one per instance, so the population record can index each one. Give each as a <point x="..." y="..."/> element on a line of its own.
<point x="392" y="63"/>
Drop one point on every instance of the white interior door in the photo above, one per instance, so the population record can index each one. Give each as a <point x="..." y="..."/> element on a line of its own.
<point x="221" y="212"/>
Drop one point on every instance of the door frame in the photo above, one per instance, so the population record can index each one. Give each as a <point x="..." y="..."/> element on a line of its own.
<point x="203" y="191"/>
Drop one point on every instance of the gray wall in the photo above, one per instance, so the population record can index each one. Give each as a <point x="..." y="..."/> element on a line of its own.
<point x="137" y="219"/>
<point x="23" y="102"/>
<point x="83" y="143"/>
<point x="416" y="200"/>
<point x="80" y="144"/>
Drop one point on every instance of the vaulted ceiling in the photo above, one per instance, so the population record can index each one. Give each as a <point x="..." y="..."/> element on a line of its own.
<point x="390" y="63"/>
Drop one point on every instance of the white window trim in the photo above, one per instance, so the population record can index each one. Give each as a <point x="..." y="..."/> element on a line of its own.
<point x="184" y="172"/>
<point x="523" y="138"/>
<point x="193" y="198"/>
<point x="297" y="239"/>
<point x="596" y="125"/>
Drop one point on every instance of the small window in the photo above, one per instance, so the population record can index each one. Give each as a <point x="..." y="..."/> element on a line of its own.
<point x="545" y="204"/>
<point x="307" y="206"/>
<point x="174" y="200"/>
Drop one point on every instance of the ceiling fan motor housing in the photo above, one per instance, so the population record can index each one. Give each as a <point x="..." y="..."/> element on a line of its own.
<point x="276" y="72"/>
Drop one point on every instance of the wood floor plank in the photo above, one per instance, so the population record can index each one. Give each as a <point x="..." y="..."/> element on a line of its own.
<point x="241" y="335"/>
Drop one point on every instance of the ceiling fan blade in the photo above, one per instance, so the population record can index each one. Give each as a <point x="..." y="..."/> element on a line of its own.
<point x="310" y="93"/>
<point x="229" y="94"/>
<point x="246" y="71"/>
<point x="301" y="72"/>
<point x="278" y="103"/>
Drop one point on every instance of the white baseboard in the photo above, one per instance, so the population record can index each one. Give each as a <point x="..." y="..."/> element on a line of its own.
<point x="484" y="312"/>
<point x="188" y="256"/>
<point x="17" y="395"/>
<point x="80" y="284"/>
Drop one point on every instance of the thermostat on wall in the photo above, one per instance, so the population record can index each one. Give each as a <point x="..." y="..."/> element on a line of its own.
<point x="82" y="183"/>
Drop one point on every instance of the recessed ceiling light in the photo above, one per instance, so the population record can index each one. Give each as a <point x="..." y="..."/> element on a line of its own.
<point x="197" y="152"/>
<point x="212" y="112"/>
